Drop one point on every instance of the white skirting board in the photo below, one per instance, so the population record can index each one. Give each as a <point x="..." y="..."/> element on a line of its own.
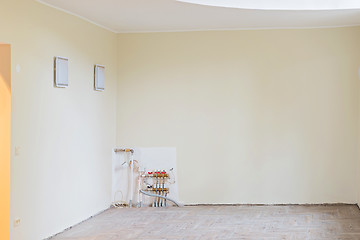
<point x="149" y="159"/>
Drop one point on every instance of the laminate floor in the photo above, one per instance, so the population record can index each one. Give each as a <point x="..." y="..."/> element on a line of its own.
<point x="221" y="222"/>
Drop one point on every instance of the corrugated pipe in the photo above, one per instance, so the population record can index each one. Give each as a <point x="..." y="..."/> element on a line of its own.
<point x="155" y="195"/>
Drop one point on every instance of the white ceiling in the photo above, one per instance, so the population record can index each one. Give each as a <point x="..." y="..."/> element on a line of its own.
<point x="172" y="15"/>
<point x="281" y="4"/>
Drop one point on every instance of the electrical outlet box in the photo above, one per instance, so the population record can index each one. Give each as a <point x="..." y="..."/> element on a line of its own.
<point x="99" y="78"/>
<point x="61" y="71"/>
<point x="17" y="151"/>
<point x="17" y="222"/>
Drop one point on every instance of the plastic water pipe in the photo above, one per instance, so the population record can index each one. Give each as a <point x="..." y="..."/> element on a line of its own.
<point x="131" y="178"/>
<point x="139" y="187"/>
<point x="131" y="151"/>
<point x="159" y="196"/>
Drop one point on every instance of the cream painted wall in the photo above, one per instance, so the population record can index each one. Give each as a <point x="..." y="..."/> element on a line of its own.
<point x="5" y="124"/>
<point x="275" y="112"/>
<point x="265" y="116"/>
<point x="61" y="173"/>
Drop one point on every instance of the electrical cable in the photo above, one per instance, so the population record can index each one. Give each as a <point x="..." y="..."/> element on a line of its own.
<point x="119" y="204"/>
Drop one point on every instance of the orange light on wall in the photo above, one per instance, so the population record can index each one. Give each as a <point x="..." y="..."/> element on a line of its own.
<point x="5" y="133"/>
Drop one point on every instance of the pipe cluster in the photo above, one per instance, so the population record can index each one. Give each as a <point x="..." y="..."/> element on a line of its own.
<point x="157" y="186"/>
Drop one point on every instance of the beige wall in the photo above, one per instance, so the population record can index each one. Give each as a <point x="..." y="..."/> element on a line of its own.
<point x="274" y="112"/>
<point x="61" y="173"/>
<point x="5" y="122"/>
<point x="265" y="116"/>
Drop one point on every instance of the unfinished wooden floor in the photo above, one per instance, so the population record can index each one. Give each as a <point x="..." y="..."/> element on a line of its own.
<point x="221" y="222"/>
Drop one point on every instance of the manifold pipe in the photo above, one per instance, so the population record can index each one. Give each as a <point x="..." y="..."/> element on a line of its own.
<point x="155" y="195"/>
<point x="124" y="150"/>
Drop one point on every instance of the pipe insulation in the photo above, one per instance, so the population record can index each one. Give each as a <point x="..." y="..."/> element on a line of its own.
<point x="159" y="196"/>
